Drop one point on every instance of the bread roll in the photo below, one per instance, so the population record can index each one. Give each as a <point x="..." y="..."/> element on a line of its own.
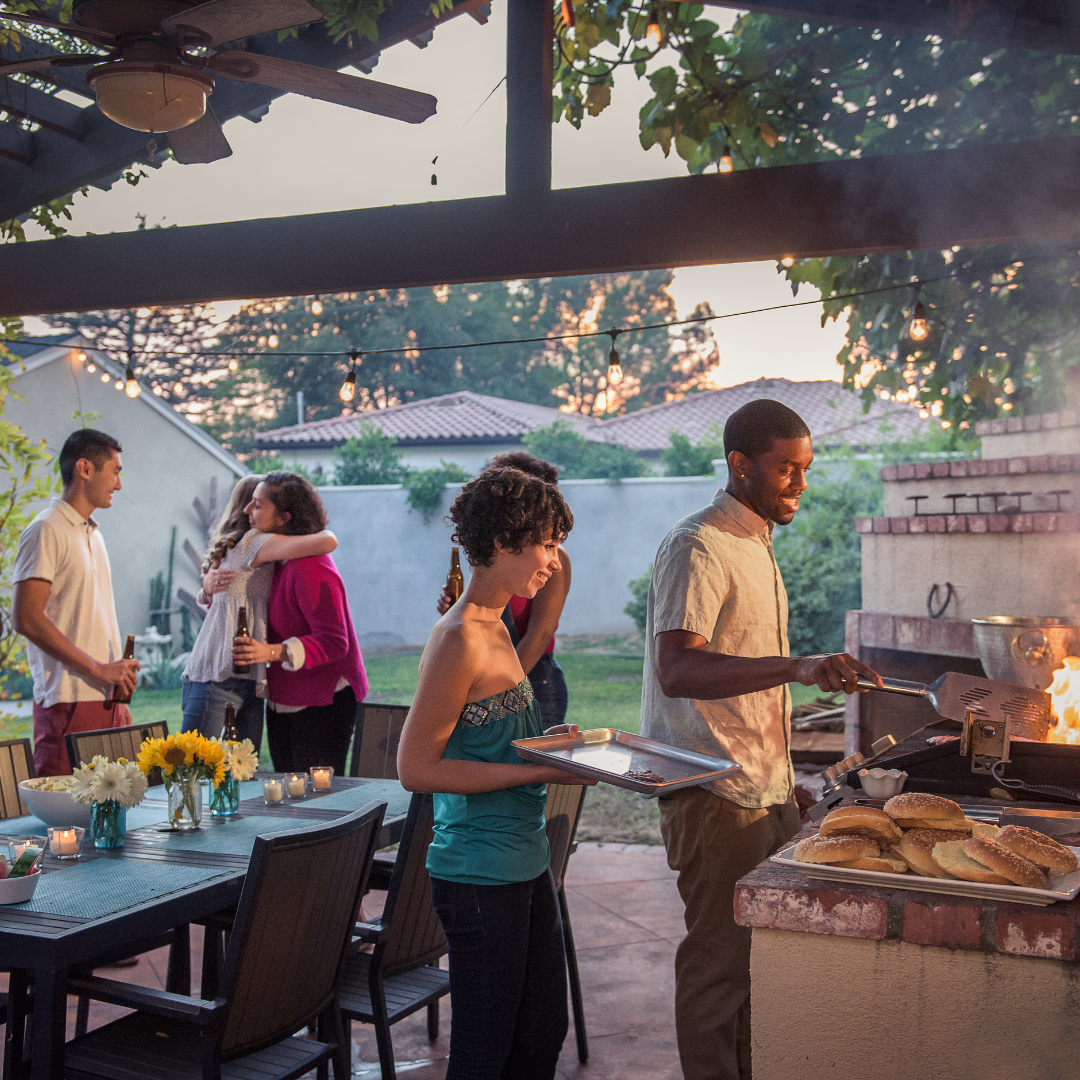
<point x="833" y="849"/>
<point x="919" y="806"/>
<point x="1002" y="861"/>
<point x="1036" y="847"/>
<point x="917" y="847"/>
<point x="984" y="831"/>
<point x="949" y="855"/>
<point x="866" y="821"/>
<point x="885" y="864"/>
<point x="956" y="825"/>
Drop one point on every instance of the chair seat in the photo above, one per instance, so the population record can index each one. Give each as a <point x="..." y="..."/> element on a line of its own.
<point x="405" y="993"/>
<point x="145" y="1047"/>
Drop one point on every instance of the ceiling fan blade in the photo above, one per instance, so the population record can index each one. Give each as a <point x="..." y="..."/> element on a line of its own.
<point x="201" y="142"/>
<point x="226" y="20"/>
<point x="43" y="63"/>
<point x="325" y="84"/>
<point x="95" y="37"/>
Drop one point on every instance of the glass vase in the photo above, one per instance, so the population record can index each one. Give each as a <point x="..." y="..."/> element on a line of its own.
<point x="185" y="802"/>
<point x="109" y="823"/>
<point x="225" y="798"/>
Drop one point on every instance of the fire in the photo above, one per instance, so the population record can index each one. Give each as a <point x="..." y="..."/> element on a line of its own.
<point x="1064" y="694"/>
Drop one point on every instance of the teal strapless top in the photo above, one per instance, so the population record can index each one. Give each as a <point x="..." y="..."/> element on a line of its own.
<point x="497" y="837"/>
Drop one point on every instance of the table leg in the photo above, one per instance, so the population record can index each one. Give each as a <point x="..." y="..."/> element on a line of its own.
<point x="50" y="1024"/>
<point x="178" y="976"/>
<point x="14" y="1043"/>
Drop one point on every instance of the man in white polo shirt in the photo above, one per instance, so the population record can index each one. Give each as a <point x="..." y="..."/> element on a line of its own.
<point x="64" y="605"/>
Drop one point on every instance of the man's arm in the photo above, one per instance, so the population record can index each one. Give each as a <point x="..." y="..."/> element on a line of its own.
<point x="685" y="669"/>
<point x="30" y="620"/>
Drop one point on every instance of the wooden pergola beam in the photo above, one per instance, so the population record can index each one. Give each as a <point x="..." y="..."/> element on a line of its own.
<point x="1026" y="191"/>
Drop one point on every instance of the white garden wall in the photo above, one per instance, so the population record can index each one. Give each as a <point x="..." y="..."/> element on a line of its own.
<point x="394" y="565"/>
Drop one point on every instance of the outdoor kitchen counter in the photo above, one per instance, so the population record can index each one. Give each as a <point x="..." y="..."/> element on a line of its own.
<point x="907" y="983"/>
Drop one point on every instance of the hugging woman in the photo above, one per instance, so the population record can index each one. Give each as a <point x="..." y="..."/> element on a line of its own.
<point x="488" y="861"/>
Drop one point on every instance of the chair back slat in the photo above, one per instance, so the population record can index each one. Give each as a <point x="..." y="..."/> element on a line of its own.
<point x="562" y="812"/>
<point x="113" y="743"/>
<point x="415" y="932"/>
<point x="375" y="740"/>
<point x="293" y="924"/>
<point x="16" y="765"/>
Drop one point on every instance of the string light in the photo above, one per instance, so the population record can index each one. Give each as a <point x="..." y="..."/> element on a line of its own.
<point x="614" y="369"/>
<point x="725" y="164"/>
<point x="272" y="341"/>
<point x="919" y="329"/>
<point x="80" y="357"/>
<point x="788" y="261"/>
<point x="234" y="364"/>
<point x="91" y="367"/>
<point x="104" y="376"/>
<point x="119" y="384"/>
<point x="653" y="34"/>
<point x="316" y="306"/>
<point x="131" y="385"/>
<point x="348" y="387"/>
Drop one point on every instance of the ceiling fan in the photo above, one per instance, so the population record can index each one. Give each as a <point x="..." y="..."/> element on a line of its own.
<point x="164" y="54"/>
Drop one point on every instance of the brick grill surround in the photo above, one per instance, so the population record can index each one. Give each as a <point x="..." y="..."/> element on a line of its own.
<point x="927" y="524"/>
<point x="1031" y="465"/>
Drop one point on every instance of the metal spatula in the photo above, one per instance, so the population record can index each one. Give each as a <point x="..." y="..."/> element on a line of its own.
<point x="954" y="695"/>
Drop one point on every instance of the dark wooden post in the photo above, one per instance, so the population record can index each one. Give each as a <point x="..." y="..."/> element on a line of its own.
<point x="529" y="37"/>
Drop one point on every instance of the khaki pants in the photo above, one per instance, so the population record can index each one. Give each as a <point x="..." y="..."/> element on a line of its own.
<point x="712" y="843"/>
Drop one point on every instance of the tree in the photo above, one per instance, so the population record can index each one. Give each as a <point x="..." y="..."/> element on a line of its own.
<point x="372" y="458"/>
<point x="777" y="91"/>
<point x="682" y="459"/>
<point x="577" y="458"/>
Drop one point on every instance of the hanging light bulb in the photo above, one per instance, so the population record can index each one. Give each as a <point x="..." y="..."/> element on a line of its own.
<point x="272" y="341"/>
<point x="348" y="387"/>
<point x="91" y="368"/>
<point x="234" y="364"/>
<point x="119" y="384"/>
<point x="726" y="165"/>
<point x="131" y="385"/>
<point x="614" y="368"/>
<point x="80" y="357"/>
<point x="105" y="376"/>
<point x="653" y="34"/>
<point x="157" y="391"/>
<point x="788" y="261"/>
<point x="919" y="329"/>
<point x="316" y="306"/>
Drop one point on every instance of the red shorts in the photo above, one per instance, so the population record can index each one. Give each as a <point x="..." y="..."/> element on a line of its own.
<point x="52" y="723"/>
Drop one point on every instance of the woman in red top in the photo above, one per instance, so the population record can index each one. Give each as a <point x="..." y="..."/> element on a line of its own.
<point x="315" y="673"/>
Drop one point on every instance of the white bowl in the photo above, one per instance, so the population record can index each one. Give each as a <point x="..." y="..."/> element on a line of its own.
<point x="882" y="783"/>
<point x="17" y="890"/>
<point x="55" y="808"/>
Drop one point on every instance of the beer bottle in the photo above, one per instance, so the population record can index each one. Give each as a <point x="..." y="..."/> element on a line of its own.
<point x="455" y="580"/>
<point x="119" y="697"/>
<point x="229" y="732"/>
<point x="241" y="631"/>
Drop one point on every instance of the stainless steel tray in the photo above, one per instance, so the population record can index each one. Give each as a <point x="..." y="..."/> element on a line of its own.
<point x="606" y="754"/>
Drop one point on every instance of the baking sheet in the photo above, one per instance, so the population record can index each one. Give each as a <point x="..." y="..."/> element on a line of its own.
<point x="1062" y="887"/>
<point x="606" y="754"/>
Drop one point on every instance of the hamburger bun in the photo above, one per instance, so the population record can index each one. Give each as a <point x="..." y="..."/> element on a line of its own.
<point x="956" y="825"/>
<point x="916" y="849"/>
<point x="984" y="831"/>
<point x="1002" y="861"/>
<point x="866" y="821"/>
<point x="884" y="863"/>
<point x="921" y="807"/>
<point x="1044" y="851"/>
<point x="834" y="849"/>
<point x="949" y="855"/>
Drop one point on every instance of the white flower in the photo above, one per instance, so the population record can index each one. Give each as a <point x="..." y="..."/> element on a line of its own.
<point x="242" y="761"/>
<point x="111" y="782"/>
<point x="98" y="760"/>
<point x="138" y="785"/>
<point x="84" y="777"/>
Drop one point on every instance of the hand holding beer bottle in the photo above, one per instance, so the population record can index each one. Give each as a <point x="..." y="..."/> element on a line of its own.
<point x="455" y="584"/>
<point x="242" y="631"/>
<point x="122" y="692"/>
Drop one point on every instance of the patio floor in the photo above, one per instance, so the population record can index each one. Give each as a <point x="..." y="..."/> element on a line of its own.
<point x="627" y="919"/>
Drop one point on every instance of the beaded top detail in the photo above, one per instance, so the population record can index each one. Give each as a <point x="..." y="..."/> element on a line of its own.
<point x="498" y="706"/>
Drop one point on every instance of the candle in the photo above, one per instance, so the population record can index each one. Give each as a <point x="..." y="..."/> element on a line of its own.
<point x="272" y="791"/>
<point x="64" y="843"/>
<point x="321" y="777"/>
<point x="297" y="785"/>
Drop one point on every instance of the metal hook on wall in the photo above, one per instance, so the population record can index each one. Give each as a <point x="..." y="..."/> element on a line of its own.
<point x="931" y="598"/>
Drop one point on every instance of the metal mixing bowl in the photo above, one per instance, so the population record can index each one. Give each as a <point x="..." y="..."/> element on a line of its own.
<point x="1025" y="650"/>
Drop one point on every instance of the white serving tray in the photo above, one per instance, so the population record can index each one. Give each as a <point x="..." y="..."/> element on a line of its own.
<point x="1062" y="887"/>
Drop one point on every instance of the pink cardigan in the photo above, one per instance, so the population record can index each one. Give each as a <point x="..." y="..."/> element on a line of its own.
<point x="308" y="602"/>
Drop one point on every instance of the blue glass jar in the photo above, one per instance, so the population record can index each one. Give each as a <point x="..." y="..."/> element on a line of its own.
<point x="225" y="798"/>
<point x="109" y="823"/>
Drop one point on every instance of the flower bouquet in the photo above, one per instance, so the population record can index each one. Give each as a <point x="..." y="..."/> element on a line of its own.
<point x="108" y="788"/>
<point x="241" y="761"/>
<point x="183" y="760"/>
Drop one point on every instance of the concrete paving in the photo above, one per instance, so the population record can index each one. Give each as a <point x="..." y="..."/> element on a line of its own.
<point x="627" y="921"/>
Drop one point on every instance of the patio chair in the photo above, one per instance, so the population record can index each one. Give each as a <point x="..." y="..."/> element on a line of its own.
<point x="375" y="739"/>
<point x="562" y="813"/>
<point x="282" y="970"/>
<point x="16" y="765"/>
<point x="401" y="975"/>
<point x="113" y="743"/>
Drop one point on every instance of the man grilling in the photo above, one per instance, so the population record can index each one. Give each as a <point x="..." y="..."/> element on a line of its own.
<point x="716" y="675"/>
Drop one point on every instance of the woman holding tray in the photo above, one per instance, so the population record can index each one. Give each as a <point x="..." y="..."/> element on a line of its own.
<point x="488" y="860"/>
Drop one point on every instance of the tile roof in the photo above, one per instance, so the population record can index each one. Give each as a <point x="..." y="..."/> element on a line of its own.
<point x="833" y="414"/>
<point x="462" y="417"/>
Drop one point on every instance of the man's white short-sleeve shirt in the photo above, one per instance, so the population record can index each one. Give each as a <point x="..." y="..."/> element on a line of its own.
<point x="715" y="576"/>
<point x="63" y="548"/>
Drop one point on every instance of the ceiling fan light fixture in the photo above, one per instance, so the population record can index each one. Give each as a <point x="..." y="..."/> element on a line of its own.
<point x="149" y="96"/>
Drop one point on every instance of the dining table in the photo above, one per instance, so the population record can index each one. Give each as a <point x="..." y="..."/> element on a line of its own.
<point x="95" y="909"/>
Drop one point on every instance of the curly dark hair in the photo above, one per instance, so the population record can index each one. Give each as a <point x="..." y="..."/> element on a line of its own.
<point x="510" y="506"/>
<point x="294" y="495"/>
<point x="519" y="459"/>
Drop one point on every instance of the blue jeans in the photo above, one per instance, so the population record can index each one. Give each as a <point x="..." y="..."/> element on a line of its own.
<point x="203" y="705"/>
<point x="507" y="978"/>
<point x="549" y="689"/>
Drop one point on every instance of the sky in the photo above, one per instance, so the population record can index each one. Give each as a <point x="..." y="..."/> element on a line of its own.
<point x="309" y="156"/>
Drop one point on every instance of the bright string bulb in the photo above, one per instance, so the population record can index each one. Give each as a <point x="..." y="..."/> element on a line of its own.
<point x="919" y="329"/>
<point x="788" y="260"/>
<point x="726" y="164"/>
<point x="131" y="385"/>
<point x="272" y="341"/>
<point x="119" y="384"/>
<point x="316" y="306"/>
<point x="91" y="367"/>
<point x="234" y="364"/>
<point x="653" y="33"/>
<point x="614" y="371"/>
<point x="104" y="376"/>
<point x="348" y="387"/>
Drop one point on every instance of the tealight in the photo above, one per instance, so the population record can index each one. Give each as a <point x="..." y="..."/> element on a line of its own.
<point x="322" y="776"/>
<point x="66" y="842"/>
<point x="273" y="791"/>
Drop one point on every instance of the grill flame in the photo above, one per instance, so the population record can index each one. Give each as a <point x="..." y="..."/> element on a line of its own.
<point x="1064" y="694"/>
